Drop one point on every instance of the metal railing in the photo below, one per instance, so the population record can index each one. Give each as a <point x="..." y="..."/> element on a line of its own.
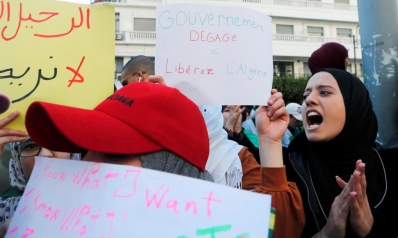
<point x="293" y="3"/>
<point x="310" y="4"/>
<point x="150" y="35"/>
<point x="315" y="39"/>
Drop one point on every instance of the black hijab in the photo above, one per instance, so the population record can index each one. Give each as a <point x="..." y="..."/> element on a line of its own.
<point x="339" y="155"/>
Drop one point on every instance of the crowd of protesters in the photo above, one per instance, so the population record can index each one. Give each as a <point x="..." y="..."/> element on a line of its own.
<point x="316" y="158"/>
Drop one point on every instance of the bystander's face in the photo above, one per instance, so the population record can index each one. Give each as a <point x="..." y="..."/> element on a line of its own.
<point x="28" y="149"/>
<point x="293" y="122"/>
<point x="225" y="114"/>
<point x="133" y="77"/>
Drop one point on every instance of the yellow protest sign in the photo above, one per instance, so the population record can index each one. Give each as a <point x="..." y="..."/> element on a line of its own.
<point x="56" y="52"/>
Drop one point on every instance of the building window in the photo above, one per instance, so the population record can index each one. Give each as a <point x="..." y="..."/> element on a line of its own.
<point x="283" y="69"/>
<point x="342" y="1"/>
<point x="118" y="34"/>
<point x="343" y="32"/>
<point x="117" y="22"/>
<point x="284" y="29"/>
<point x="118" y="64"/>
<point x="315" y="31"/>
<point x="307" y="71"/>
<point x="144" y="24"/>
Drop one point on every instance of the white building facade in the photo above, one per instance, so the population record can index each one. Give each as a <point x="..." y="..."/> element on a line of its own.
<point x="298" y="27"/>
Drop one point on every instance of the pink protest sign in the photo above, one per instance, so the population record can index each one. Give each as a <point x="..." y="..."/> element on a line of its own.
<point x="215" y="54"/>
<point x="82" y="199"/>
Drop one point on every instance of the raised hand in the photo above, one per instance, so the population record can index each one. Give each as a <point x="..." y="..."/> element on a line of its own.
<point x="9" y="135"/>
<point x="337" y="220"/>
<point x="271" y="123"/>
<point x="272" y="120"/>
<point x="235" y="112"/>
<point x="361" y="217"/>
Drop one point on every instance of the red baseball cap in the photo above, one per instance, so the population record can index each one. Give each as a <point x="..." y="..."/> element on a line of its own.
<point x="137" y="119"/>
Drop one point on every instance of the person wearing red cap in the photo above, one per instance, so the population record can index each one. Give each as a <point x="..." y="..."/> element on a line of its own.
<point x="137" y="126"/>
<point x="329" y="55"/>
<point x="134" y="126"/>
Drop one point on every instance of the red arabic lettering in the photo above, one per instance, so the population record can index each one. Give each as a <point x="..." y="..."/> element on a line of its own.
<point x="49" y="15"/>
<point x="52" y="14"/>
<point x="88" y="18"/>
<point x="18" y="27"/>
<point x="76" y="73"/>
<point x="2" y="9"/>
<point x="8" y="11"/>
<point x="73" y="25"/>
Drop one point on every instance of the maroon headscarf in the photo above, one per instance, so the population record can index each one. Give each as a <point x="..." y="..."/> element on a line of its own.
<point x="330" y="55"/>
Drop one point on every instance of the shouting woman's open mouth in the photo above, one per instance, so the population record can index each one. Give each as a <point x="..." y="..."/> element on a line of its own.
<point x="314" y="119"/>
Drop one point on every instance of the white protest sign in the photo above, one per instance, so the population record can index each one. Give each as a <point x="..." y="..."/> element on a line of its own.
<point x="67" y="198"/>
<point x="215" y="55"/>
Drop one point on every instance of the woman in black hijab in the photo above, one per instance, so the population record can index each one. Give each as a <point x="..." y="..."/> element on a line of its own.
<point x="340" y="131"/>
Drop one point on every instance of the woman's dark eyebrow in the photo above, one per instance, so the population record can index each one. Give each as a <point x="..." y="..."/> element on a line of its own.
<point x="324" y="86"/>
<point x="320" y="86"/>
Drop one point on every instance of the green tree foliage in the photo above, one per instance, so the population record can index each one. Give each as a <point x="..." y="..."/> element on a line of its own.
<point x="291" y="88"/>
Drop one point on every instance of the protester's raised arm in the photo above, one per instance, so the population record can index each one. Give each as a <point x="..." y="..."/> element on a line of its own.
<point x="271" y="122"/>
